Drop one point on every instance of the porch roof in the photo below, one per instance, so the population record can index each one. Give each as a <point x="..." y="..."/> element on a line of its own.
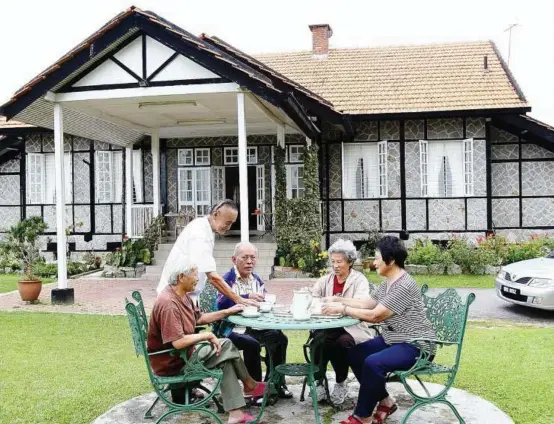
<point x="528" y="128"/>
<point x="29" y="104"/>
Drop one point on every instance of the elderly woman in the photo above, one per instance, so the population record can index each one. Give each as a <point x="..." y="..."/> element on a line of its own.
<point x="398" y="306"/>
<point x="344" y="282"/>
<point x="172" y="324"/>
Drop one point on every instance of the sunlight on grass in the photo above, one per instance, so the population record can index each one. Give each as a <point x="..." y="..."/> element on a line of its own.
<point x="73" y="368"/>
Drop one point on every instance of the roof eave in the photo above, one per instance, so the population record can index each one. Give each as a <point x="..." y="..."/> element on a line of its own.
<point x="441" y="113"/>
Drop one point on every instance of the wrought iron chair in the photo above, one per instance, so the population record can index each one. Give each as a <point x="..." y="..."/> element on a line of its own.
<point x="448" y="315"/>
<point x="186" y="214"/>
<point x="193" y="375"/>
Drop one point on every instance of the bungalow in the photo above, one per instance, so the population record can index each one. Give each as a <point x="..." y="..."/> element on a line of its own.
<point x="144" y="118"/>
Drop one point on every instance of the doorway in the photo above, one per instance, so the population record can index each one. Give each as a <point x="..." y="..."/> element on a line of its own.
<point x="232" y="191"/>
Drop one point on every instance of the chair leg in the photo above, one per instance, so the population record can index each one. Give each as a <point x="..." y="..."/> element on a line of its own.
<point x="453" y="408"/>
<point x="218" y="405"/>
<point x="193" y="410"/>
<point x="416" y="406"/>
<point x="148" y="414"/>
<point x="302" y="398"/>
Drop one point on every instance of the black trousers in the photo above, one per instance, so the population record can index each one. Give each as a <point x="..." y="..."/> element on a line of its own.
<point x="336" y="342"/>
<point x="249" y="343"/>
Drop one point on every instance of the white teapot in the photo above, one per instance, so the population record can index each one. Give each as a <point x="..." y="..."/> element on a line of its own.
<point x="301" y="304"/>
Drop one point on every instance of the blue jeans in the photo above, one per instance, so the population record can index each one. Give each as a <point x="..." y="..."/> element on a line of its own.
<point x="371" y="361"/>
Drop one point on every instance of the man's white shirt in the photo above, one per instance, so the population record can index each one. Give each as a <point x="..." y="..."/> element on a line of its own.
<point x="194" y="246"/>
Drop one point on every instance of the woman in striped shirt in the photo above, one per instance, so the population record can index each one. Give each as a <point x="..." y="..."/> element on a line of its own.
<point x="398" y="306"/>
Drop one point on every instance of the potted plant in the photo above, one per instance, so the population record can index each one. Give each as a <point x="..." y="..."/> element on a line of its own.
<point x="21" y="242"/>
<point x="368" y="249"/>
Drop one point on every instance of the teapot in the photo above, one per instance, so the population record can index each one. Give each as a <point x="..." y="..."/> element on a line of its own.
<point x="301" y="304"/>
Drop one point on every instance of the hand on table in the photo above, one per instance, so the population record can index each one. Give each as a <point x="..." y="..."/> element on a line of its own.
<point x="236" y="309"/>
<point x="249" y="302"/>
<point x="332" y="309"/>
<point x="332" y="299"/>
<point x="258" y="297"/>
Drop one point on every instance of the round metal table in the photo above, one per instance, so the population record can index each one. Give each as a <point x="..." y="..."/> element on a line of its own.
<point x="270" y="321"/>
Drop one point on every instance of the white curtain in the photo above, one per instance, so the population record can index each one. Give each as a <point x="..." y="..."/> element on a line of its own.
<point x="445" y="169"/>
<point x="137" y="175"/>
<point x="50" y="178"/>
<point x="360" y="171"/>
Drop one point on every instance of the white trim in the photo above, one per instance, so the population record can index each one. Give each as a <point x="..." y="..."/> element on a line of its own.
<point x="424" y="167"/>
<point x="204" y="150"/>
<point x="129" y="190"/>
<point x="468" y="165"/>
<point x="61" y="238"/>
<point x="125" y="93"/>
<point x="262" y="108"/>
<point x="382" y="155"/>
<point x="260" y="195"/>
<point x="156" y="172"/>
<point x="243" y="169"/>
<point x="185" y="152"/>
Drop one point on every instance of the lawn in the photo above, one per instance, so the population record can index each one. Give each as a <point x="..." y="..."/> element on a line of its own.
<point x="445" y="281"/>
<point x="72" y="368"/>
<point x="8" y="282"/>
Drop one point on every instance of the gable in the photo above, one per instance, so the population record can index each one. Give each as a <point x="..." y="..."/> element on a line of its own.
<point x="143" y="61"/>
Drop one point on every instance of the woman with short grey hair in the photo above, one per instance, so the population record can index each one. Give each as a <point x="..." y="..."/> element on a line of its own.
<point x="346" y="282"/>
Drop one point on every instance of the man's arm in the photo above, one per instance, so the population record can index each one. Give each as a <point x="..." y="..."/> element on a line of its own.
<point x="210" y="317"/>
<point x="192" y="339"/>
<point x="375" y="315"/>
<point x="367" y="303"/>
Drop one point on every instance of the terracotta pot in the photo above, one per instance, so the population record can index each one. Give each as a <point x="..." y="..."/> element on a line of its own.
<point x="29" y="290"/>
<point x="368" y="263"/>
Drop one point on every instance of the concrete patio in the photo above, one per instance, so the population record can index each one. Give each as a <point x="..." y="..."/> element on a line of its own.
<point x="473" y="409"/>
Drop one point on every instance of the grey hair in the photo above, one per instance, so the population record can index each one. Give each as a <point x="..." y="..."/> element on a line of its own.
<point x="178" y="270"/>
<point x="242" y="244"/>
<point x="346" y="247"/>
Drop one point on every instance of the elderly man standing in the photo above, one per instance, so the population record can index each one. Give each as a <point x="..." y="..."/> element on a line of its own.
<point x="195" y="245"/>
<point x="172" y="325"/>
<point x="246" y="284"/>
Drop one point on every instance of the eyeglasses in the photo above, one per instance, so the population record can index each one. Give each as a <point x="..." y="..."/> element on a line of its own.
<point x="222" y="203"/>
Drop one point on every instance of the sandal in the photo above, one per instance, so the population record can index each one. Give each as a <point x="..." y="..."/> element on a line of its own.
<point x="388" y="411"/>
<point x="245" y="419"/>
<point x="351" y="420"/>
<point x="258" y="392"/>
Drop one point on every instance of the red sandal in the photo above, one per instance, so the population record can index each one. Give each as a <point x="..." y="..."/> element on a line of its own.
<point x="388" y="412"/>
<point x="351" y="420"/>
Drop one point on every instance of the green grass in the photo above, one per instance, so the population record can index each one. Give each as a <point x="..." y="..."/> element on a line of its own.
<point x="61" y="368"/>
<point x="8" y="282"/>
<point x="445" y="281"/>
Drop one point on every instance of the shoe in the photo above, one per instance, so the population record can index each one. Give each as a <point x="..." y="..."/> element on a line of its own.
<point x="258" y="391"/>
<point x="283" y="392"/>
<point x="320" y="392"/>
<point x="340" y="391"/>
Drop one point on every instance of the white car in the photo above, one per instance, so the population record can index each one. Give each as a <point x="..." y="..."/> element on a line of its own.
<point x="528" y="283"/>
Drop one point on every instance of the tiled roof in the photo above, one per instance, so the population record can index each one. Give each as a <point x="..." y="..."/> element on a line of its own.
<point x="400" y="79"/>
<point x="12" y="124"/>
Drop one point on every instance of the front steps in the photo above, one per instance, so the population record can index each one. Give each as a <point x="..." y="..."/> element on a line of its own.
<point x="224" y="249"/>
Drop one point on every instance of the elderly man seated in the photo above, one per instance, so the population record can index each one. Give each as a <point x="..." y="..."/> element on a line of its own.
<point x="344" y="282"/>
<point x="244" y="282"/>
<point x="172" y="325"/>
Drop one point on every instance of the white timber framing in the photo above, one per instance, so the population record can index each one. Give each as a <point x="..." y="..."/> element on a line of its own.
<point x="61" y="237"/>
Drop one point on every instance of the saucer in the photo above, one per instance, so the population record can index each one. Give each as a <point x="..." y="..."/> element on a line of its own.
<point x="255" y="315"/>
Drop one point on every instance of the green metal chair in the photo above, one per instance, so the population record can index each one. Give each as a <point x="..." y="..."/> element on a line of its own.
<point x="194" y="371"/>
<point x="448" y="315"/>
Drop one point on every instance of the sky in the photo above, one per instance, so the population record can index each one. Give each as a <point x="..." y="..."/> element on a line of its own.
<point x="35" y="33"/>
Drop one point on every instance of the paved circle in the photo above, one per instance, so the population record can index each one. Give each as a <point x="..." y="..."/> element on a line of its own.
<point x="473" y="409"/>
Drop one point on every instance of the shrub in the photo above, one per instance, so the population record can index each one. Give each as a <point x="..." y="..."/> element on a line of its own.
<point x="424" y="252"/>
<point x="130" y="253"/>
<point x="74" y="268"/>
<point x="471" y="259"/>
<point x="312" y="260"/>
<point x="91" y="261"/>
<point x="368" y="248"/>
<point x="43" y="269"/>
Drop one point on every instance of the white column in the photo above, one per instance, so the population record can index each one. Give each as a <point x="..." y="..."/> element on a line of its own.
<point x="61" y="238"/>
<point x="243" y="169"/>
<point x="156" y="171"/>
<point x="281" y="136"/>
<point x="129" y="191"/>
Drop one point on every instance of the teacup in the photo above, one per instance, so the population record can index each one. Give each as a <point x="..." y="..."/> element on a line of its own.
<point x="265" y="306"/>
<point x="270" y="298"/>
<point x="250" y="310"/>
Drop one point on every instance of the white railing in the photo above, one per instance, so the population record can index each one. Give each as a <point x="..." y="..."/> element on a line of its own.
<point x="141" y="217"/>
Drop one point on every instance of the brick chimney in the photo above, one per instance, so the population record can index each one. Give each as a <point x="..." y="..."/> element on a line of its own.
<point x="320" y="40"/>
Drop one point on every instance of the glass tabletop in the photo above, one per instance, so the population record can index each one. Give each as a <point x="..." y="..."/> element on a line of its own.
<point x="269" y="321"/>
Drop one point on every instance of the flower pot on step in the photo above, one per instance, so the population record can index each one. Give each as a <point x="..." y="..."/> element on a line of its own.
<point x="29" y="290"/>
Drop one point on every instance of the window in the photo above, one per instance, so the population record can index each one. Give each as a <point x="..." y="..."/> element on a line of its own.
<point x="109" y="176"/>
<point x="295" y="153"/>
<point x="231" y="155"/>
<point x="202" y="156"/>
<point x="195" y="189"/>
<point x="260" y="196"/>
<point x="446" y="168"/>
<point x="184" y="157"/>
<point x="218" y="176"/>
<point x="41" y="178"/>
<point x="137" y="176"/>
<point x="295" y="181"/>
<point x="365" y="169"/>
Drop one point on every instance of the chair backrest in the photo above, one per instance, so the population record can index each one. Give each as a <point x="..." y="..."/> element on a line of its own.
<point x="138" y="335"/>
<point x="448" y="315"/>
<point x="207" y="299"/>
<point x="141" y="311"/>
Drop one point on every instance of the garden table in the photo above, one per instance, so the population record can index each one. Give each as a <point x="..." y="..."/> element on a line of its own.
<point x="283" y="321"/>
